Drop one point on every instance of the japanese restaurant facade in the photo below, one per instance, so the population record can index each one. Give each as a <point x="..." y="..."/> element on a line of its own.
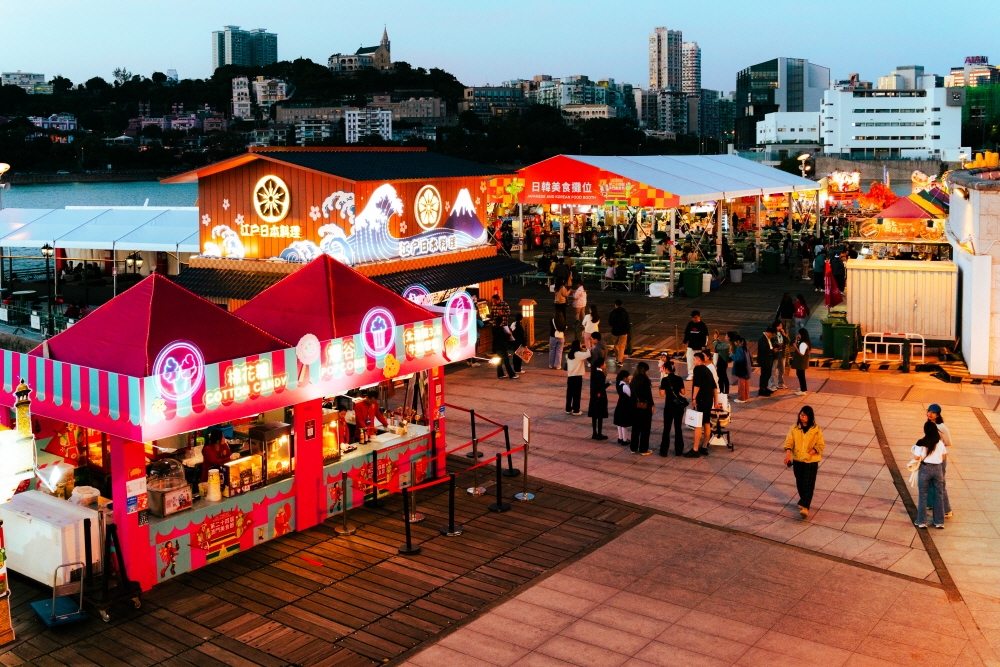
<point x="145" y="380"/>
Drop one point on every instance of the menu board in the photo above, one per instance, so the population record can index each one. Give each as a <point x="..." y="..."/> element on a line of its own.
<point x="903" y="231"/>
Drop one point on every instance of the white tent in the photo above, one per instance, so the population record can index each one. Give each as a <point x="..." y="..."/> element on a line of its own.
<point x="700" y="178"/>
<point x="139" y="228"/>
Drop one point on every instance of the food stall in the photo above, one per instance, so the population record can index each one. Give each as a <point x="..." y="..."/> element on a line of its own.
<point x="163" y="375"/>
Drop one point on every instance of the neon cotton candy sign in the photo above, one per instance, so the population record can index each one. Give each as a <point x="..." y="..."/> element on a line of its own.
<point x="418" y="294"/>
<point x="460" y="314"/>
<point x="179" y="370"/>
<point x="378" y="331"/>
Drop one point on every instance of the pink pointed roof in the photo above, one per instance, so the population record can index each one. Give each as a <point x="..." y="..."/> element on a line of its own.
<point x="904" y="209"/>
<point x="127" y="333"/>
<point x="327" y="299"/>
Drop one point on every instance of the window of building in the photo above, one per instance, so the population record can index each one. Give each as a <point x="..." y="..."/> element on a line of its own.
<point x="936" y="109"/>
<point x="936" y="122"/>
<point x="936" y="136"/>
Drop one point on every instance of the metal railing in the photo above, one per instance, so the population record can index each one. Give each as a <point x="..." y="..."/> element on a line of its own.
<point x="888" y="347"/>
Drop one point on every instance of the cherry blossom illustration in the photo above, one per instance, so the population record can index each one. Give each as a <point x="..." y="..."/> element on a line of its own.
<point x="206" y="220"/>
<point x="314" y="212"/>
<point x="239" y="219"/>
<point x="225" y="204"/>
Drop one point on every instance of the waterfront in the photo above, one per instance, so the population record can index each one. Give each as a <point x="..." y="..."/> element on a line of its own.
<point x="99" y="194"/>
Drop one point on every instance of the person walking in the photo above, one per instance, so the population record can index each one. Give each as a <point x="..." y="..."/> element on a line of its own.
<point x="502" y="336"/>
<point x="674" y="403"/>
<point x="623" y="409"/>
<point x="579" y="302"/>
<point x="930" y="451"/>
<point x="721" y="358"/>
<point x="643" y="408"/>
<point x="591" y="323"/>
<point x="695" y="338"/>
<point x="839" y="269"/>
<point x="704" y="397"/>
<point x="780" y="348"/>
<point x="800" y="352"/>
<point x="742" y="366"/>
<point x="800" y="313"/>
<point x="557" y="338"/>
<point x="934" y="415"/>
<point x="576" y="363"/>
<point x="804" y="446"/>
<point x="819" y="269"/>
<point x="561" y="271"/>
<point x="620" y="325"/>
<point x="765" y="359"/>
<point x="560" y="296"/>
<point x="597" y="410"/>
<point x="520" y="340"/>
<point x="786" y="311"/>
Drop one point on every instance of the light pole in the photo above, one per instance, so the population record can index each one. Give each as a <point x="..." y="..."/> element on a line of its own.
<point x="134" y="262"/>
<point x="47" y="252"/>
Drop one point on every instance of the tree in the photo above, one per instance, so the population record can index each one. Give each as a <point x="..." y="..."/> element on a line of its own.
<point x="97" y="84"/>
<point x="60" y="83"/>
<point x="159" y="78"/>
<point x="121" y="76"/>
<point x="12" y="98"/>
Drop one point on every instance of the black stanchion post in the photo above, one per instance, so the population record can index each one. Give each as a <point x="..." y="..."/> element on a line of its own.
<point x="407" y="549"/>
<point x="475" y="453"/>
<point x="413" y="516"/>
<point x="475" y="489"/>
<point x="373" y="500"/>
<point x="344" y="530"/>
<point x="451" y="530"/>
<point x="524" y="495"/>
<point x="499" y="505"/>
<point x="511" y="471"/>
<point x="88" y="551"/>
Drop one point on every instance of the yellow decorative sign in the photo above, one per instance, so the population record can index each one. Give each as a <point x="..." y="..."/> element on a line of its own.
<point x="271" y="199"/>
<point x="427" y="207"/>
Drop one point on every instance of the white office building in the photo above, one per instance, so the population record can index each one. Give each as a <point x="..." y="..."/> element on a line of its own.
<point x="924" y="123"/>
<point x="788" y="127"/>
<point x="363" y="122"/>
<point x="575" y="113"/>
<point x="31" y="83"/>
<point x="242" y="100"/>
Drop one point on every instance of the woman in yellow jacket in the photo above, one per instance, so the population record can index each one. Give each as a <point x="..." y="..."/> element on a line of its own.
<point x="803" y="451"/>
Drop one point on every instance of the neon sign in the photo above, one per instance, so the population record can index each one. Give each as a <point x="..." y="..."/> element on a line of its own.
<point x="460" y="314"/>
<point x="179" y="370"/>
<point x="418" y="294"/>
<point x="271" y="199"/>
<point x="378" y="331"/>
<point x="245" y="380"/>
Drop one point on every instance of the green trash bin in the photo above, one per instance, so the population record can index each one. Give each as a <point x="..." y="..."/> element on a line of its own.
<point x="770" y="263"/>
<point x="845" y="335"/>
<point x="828" y="337"/>
<point x="692" y="281"/>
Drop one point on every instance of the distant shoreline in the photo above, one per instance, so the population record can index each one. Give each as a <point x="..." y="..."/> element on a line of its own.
<point x="95" y="177"/>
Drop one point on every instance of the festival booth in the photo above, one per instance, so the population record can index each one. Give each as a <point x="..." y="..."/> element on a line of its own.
<point x="146" y="378"/>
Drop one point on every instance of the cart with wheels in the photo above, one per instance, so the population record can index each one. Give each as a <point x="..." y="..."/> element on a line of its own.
<point x="720" y="436"/>
<point x="66" y="605"/>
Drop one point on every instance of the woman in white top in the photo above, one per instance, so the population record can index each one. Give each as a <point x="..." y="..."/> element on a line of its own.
<point x="579" y="301"/>
<point x="934" y="416"/>
<point x="591" y="322"/>
<point x="575" y="367"/>
<point x="931" y="451"/>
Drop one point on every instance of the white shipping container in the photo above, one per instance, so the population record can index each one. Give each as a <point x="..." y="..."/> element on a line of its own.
<point x="903" y="296"/>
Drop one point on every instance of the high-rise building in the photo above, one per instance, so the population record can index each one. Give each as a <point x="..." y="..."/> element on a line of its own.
<point x="672" y="111"/>
<point x="977" y="71"/>
<point x="246" y="48"/>
<point x="665" y="68"/>
<point x="691" y="68"/>
<point x="781" y="84"/>
<point x="647" y="108"/>
<point x="360" y="123"/>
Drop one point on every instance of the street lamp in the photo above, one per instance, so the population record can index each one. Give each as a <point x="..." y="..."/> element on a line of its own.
<point x="134" y="262"/>
<point x="48" y="252"/>
<point x="803" y="167"/>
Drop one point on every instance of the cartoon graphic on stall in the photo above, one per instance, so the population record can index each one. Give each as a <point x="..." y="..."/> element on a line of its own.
<point x="230" y="244"/>
<point x="168" y="555"/>
<point x="282" y="520"/>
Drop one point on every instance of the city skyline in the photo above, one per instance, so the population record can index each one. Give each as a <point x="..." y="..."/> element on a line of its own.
<point x="526" y="39"/>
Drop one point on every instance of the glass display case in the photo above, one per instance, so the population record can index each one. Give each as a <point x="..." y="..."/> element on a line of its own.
<point x="242" y="475"/>
<point x="331" y="436"/>
<point x="273" y="442"/>
<point x="96" y="451"/>
<point x="167" y="489"/>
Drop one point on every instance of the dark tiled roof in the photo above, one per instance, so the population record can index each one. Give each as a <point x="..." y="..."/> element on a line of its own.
<point x="366" y="49"/>
<point x="226" y="283"/>
<point x="384" y="165"/>
<point x="459" y="274"/>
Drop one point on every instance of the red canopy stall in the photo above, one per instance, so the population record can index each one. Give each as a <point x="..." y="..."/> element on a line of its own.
<point x="148" y="375"/>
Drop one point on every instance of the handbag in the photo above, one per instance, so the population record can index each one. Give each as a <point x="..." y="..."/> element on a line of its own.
<point x="525" y="353"/>
<point x="642" y="405"/>
<point x="693" y="418"/>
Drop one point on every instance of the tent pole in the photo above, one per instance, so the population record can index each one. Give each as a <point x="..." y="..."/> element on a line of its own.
<point x="718" y="231"/>
<point x="759" y="230"/>
<point x="672" y="247"/>
<point x="520" y="222"/>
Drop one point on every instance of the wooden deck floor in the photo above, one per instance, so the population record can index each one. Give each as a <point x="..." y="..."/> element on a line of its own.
<point x="313" y="598"/>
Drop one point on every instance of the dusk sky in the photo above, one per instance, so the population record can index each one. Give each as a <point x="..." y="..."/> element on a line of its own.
<point x="489" y="42"/>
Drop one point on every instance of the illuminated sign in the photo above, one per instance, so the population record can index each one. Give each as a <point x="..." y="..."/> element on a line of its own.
<point x="428" y="246"/>
<point x="576" y="187"/>
<point x="844" y="181"/>
<point x="977" y="60"/>
<point x="241" y="381"/>
<point x="378" y="331"/>
<point x="307" y="349"/>
<point x="271" y="231"/>
<point x="271" y="199"/>
<point x="427" y="207"/>
<point x="179" y="370"/>
<point x="421" y="340"/>
<point x="460" y="314"/>
<point x="418" y="294"/>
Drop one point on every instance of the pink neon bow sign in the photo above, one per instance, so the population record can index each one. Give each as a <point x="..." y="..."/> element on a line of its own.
<point x="179" y="370"/>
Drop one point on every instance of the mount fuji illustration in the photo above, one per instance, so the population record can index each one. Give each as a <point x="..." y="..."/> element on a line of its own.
<point x="463" y="217"/>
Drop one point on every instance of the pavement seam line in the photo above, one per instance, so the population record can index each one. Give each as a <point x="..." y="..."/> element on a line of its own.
<point x="911" y="508"/>
<point x="974" y="633"/>
<point x="987" y="426"/>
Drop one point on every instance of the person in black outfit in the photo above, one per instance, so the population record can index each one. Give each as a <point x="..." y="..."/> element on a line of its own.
<point x="695" y="338"/>
<point x="643" y="409"/>
<point x="520" y="339"/>
<point x="502" y="337"/>
<point x="598" y="408"/>
<point x="672" y="389"/>
<point x="623" y="409"/>
<point x="705" y="396"/>
<point x="765" y="357"/>
<point x="620" y="326"/>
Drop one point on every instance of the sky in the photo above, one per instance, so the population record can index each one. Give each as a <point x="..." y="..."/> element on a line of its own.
<point x="490" y="42"/>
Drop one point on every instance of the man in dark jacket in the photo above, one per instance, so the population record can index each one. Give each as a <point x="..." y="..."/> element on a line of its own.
<point x="618" y="319"/>
<point x="839" y="270"/>
<point x="765" y="357"/>
<point x="695" y="338"/>
<point x="561" y="271"/>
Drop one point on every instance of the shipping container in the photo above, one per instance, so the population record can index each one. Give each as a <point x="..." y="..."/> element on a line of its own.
<point x="902" y="296"/>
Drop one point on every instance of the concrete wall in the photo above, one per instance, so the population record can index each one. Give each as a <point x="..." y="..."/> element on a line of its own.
<point x="871" y="170"/>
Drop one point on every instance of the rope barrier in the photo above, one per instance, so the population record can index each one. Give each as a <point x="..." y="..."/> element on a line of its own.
<point x="485" y="419"/>
<point x="469" y="443"/>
